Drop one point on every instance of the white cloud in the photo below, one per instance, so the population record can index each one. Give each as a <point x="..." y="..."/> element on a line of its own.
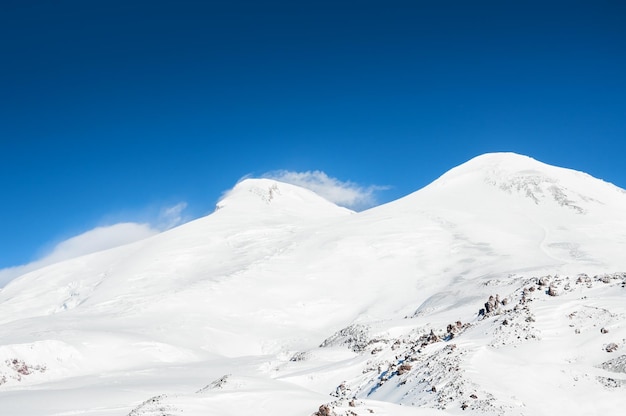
<point x="101" y="238"/>
<point x="172" y="216"/>
<point x="97" y="239"/>
<point x="346" y="194"/>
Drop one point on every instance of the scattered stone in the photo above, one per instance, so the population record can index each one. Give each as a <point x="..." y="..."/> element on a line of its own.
<point x="432" y="337"/>
<point x="341" y="390"/>
<point x="153" y="406"/>
<point x="611" y="347"/>
<point x="615" y="365"/>
<point x="611" y="382"/>
<point x="20" y="369"/>
<point x="355" y="337"/>
<point x="583" y="278"/>
<point x="604" y="331"/>
<point x="299" y="356"/>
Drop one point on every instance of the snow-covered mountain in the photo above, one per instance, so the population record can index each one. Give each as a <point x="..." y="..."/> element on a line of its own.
<point x="497" y="289"/>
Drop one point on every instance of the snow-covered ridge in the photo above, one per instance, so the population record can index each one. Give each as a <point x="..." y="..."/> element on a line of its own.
<point x="540" y="183"/>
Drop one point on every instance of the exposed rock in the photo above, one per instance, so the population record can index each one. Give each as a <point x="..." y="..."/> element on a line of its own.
<point x="324" y="410"/>
<point x="552" y="291"/>
<point x="354" y="337"/>
<point x="491" y="306"/>
<point x="432" y="337"/>
<point x="342" y="391"/>
<point x="544" y="281"/>
<point x="300" y="356"/>
<point x="615" y="365"/>
<point x="404" y="368"/>
<point x="215" y="384"/>
<point x="153" y="406"/>
<point x="611" y="382"/>
<point x="18" y="369"/>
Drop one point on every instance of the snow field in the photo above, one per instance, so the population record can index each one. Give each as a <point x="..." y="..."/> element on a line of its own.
<point x="286" y="297"/>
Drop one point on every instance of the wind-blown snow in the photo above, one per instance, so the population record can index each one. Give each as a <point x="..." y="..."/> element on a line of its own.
<point x="281" y="302"/>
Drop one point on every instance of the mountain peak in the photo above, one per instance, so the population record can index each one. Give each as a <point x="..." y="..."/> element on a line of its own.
<point x="256" y="196"/>
<point x="523" y="176"/>
<point x="501" y="161"/>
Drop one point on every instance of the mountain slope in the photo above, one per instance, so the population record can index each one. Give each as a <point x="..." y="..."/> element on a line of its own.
<point x="251" y="292"/>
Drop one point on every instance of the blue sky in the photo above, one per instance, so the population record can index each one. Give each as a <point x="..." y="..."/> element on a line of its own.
<point x="146" y="111"/>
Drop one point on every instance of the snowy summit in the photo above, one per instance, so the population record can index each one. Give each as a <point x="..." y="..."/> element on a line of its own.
<point x="499" y="289"/>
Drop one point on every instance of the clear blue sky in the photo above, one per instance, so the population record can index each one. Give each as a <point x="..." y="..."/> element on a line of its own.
<point x="112" y="111"/>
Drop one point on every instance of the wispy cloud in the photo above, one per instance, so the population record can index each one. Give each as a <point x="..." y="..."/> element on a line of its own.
<point x="345" y="193"/>
<point x="170" y="217"/>
<point x="102" y="238"/>
<point x="97" y="239"/>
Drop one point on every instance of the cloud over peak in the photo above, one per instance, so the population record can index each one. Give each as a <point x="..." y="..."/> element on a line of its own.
<point x="344" y="193"/>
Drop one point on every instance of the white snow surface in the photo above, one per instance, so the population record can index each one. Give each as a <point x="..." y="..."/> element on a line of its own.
<point x="281" y="302"/>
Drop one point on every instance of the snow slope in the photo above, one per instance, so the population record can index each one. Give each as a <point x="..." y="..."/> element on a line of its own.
<point x="281" y="302"/>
